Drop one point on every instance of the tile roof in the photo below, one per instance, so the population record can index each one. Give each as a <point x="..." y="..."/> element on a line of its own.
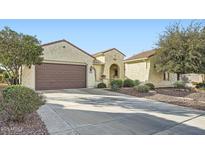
<point x="102" y="52"/>
<point x="145" y="54"/>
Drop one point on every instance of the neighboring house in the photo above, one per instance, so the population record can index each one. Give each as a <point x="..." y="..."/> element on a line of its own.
<point x="142" y="67"/>
<point x="64" y="66"/>
<point x="109" y="63"/>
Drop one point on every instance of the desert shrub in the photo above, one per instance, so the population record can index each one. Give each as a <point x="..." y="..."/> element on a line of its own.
<point x="179" y="84"/>
<point x="142" y="88"/>
<point x="200" y="85"/>
<point x="136" y="82"/>
<point x="119" y="83"/>
<point x="101" y="85"/>
<point x="128" y="83"/>
<point x="18" y="101"/>
<point x="150" y="85"/>
<point x="115" y="87"/>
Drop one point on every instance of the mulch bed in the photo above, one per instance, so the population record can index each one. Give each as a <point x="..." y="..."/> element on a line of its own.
<point x="32" y="125"/>
<point x="185" y="98"/>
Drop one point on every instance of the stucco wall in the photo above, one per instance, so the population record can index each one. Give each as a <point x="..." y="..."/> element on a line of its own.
<point x="99" y="72"/>
<point x="28" y="77"/>
<point x="145" y="71"/>
<point x="101" y="58"/>
<point x="65" y="53"/>
<point x="113" y="57"/>
<point x="157" y="78"/>
<point x="137" y="70"/>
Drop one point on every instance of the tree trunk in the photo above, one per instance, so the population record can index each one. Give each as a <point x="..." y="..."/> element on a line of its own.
<point x="20" y="75"/>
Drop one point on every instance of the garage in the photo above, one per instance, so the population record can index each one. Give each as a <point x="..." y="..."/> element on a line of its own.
<point x="64" y="66"/>
<point x="60" y="76"/>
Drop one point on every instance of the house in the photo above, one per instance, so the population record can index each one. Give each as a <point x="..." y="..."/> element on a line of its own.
<point x="65" y="66"/>
<point x="142" y="67"/>
<point x="109" y="63"/>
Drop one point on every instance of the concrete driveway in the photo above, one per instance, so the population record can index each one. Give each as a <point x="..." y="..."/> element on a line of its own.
<point x="96" y="111"/>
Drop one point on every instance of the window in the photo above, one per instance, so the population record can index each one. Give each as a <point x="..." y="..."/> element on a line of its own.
<point x="166" y="76"/>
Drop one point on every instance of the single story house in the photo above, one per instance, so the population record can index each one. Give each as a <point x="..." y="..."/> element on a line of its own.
<point x="142" y="67"/>
<point x="67" y="66"/>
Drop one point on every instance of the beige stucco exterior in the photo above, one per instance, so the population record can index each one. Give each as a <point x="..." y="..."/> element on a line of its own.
<point x="65" y="53"/>
<point x="144" y="70"/>
<point x="137" y="70"/>
<point x="101" y="58"/>
<point x="109" y="63"/>
<point x="28" y="77"/>
<point x="107" y="59"/>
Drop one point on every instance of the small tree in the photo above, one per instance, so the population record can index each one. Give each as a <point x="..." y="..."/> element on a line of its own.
<point x="17" y="50"/>
<point x="182" y="50"/>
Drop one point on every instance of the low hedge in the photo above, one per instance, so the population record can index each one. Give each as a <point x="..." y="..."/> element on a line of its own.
<point x="18" y="101"/>
<point x="179" y="84"/>
<point x="136" y="82"/>
<point x="142" y="88"/>
<point x="119" y="83"/>
<point x="128" y="83"/>
<point x="150" y="85"/>
<point x="101" y="85"/>
<point x="116" y="84"/>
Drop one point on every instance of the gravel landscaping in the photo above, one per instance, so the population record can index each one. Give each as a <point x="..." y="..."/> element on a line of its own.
<point x="173" y="96"/>
<point x="32" y="125"/>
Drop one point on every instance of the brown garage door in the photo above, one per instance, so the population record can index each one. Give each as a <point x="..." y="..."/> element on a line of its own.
<point x="60" y="76"/>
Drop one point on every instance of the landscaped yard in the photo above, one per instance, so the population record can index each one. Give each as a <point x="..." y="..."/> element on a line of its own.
<point x="182" y="97"/>
<point x="32" y="124"/>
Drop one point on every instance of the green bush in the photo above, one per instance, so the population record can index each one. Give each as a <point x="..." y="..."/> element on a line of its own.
<point x="18" y="101"/>
<point x="119" y="83"/>
<point x="115" y="87"/>
<point x="142" y="88"/>
<point x="136" y="82"/>
<point x="101" y="85"/>
<point x="200" y="85"/>
<point x="5" y="75"/>
<point x="150" y="85"/>
<point x="179" y="84"/>
<point x="128" y="83"/>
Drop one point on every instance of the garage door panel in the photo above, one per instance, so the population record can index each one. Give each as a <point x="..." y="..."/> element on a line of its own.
<point x="60" y="76"/>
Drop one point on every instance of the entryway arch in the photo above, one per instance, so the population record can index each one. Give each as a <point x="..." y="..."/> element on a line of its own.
<point x="114" y="71"/>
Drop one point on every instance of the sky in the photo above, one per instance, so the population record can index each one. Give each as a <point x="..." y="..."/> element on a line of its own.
<point x="129" y="36"/>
